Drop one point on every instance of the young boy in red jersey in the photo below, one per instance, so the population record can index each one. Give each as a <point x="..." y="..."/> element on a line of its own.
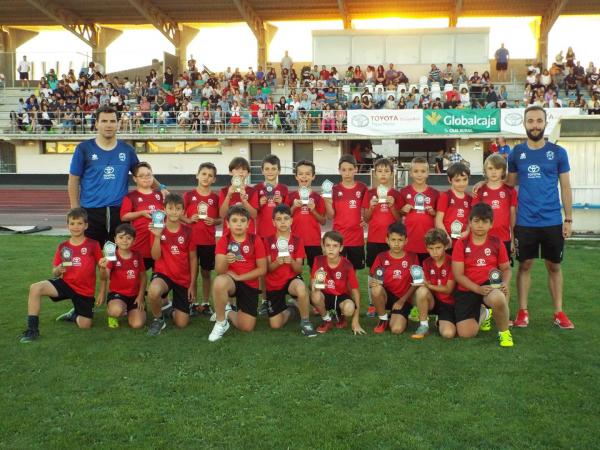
<point x="379" y="214"/>
<point x="284" y="275"/>
<point x="454" y="205"/>
<point x="307" y="219"/>
<point x="475" y="260"/>
<point x="270" y="194"/>
<point x="341" y="293"/>
<point x="243" y="195"/>
<point x="202" y="214"/>
<point x="74" y="272"/>
<point x="395" y="291"/>
<point x="435" y="295"/>
<point x="138" y="206"/>
<point x="345" y="210"/>
<point x="502" y="198"/>
<point x="241" y="259"/>
<point x="127" y="280"/>
<point x="175" y="267"/>
<point x="419" y="214"/>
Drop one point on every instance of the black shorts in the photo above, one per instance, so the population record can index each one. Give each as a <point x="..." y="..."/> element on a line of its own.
<point x="149" y="263"/>
<point x="467" y="305"/>
<point x="332" y="302"/>
<point x="129" y="301"/>
<point x="206" y="256"/>
<point x="422" y="257"/>
<point x="312" y="251"/>
<point x="246" y="298"/>
<point x="102" y="223"/>
<point x="84" y="306"/>
<point x="23" y="75"/>
<point x="180" y="298"/>
<point x="507" y="246"/>
<point x="374" y="249"/>
<point x="529" y="240"/>
<point x="356" y="255"/>
<point x="501" y="66"/>
<point x="389" y="304"/>
<point x="276" y="299"/>
<point x="444" y="311"/>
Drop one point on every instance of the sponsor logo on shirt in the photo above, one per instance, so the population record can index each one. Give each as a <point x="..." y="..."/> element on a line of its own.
<point x="352" y="204"/>
<point x="109" y="173"/>
<point x="534" y="171"/>
<point x="481" y="262"/>
<point x="77" y="261"/>
<point x="174" y="250"/>
<point x="495" y="204"/>
<point x="397" y="274"/>
<point x="330" y="284"/>
<point x="460" y="212"/>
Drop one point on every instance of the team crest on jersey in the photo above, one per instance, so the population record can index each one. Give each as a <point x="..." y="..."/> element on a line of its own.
<point x="550" y="155"/>
<point x="157" y="196"/>
<point x="130" y="274"/>
<point x="466" y="203"/>
<point x="502" y="194"/>
<point x="358" y="194"/>
<point x="523" y="156"/>
<point x="443" y="272"/>
<point x="432" y="272"/>
<point x="94" y="157"/>
<point x="340" y="194"/>
<point x="404" y="264"/>
<point x="273" y="247"/>
<point x="481" y="262"/>
<point x="246" y="249"/>
<point x="174" y="250"/>
<point x="338" y="275"/>
<point x="211" y="201"/>
<point x="487" y="252"/>
<point x="122" y="157"/>
<point x="291" y="247"/>
<point x="181" y="239"/>
<point x="84" y="251"/>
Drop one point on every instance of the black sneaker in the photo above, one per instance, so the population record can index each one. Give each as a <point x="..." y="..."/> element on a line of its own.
<point x="263" y="308"/>
<point x="194" y="309"/>
<point x="156" y="327"/>
<point x="69" y="316"/>
<point x="206" y="310"/>
<point x="167" y="311"/>
<point x="307" y="329"/>
<point x="29" y="335"/>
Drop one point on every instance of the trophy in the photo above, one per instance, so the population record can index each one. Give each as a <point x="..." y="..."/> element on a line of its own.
<point x="417" y="274"/>
<point x="202" y="211"/>
<point x="419" y="202"/>
<point x="269" y="191"/>
<point x="110" y="251"/>
<point x="495" y="278"/>
<point x="327" y="189"/>
<point x="320" y="276"/>
<point x="283" y="248"/>
<point x="66" y="256"/>
<point x="234" y="248"/>
<point x="382" y="193"/>
<point x="238" y="183"/>
<point x="304" y="195"/>
<point x="455" y="229"/>
<point x="158" y="219"/>
<point x="378" y="275"/>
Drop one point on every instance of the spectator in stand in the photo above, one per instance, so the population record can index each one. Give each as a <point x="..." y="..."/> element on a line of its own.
<point x="380" y="75"/>
<point x="571" y="84"/>
<point x="454" y="156"/>
<point x="485" y="79"/>
<point x="391" y="75"/>
<point x="502" y="56"/>
<point x="366" y="102"/>
<point x="358" y="77"/>
<point x="503" y="147"/>
<point x="475" y="84"/>
<point x="452" y="98"/>
<point x="24" y="68"/>
<point x="491" y="99"/>
<point x="461" y="76"/>
<point x="448" y="75"/>
<point x="435" y="75"/>
<point x="286" y="62"/>
<point x="465" y="98"/>
<point x="402" y="103"/>
<point x="502" y="97"/>
<point x="570" y="56"/>
<point x="390" y="103"/>
<point x="370" y="75"/>
<point x="592" y="78"/>
<point x="379" y="98"/>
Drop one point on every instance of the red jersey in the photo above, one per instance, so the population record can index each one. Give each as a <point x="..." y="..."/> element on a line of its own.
<point x="396" y="271"/>
<point x="501" y="200"/>
<point x="202" y="234"/>
<point x="347" y="204"/>
<point x="236" y="199"/>
<point x="264" y="218"/>
<point x="479" y="259"/>
<point x="418" y="222"/>
<point x="81" y="276"/>
<point x="454" y="208"/>
<point x="340" y="279"/>
<point x="125" y="274"/>
<point x="135" y="201"/>
<point x="279" y="277"/>
<point x="381" y="216"/>
<point x="439" y="276"/>
<point x="175" y="248"/>
<point x="251" y="249"/>
<point x="304" y="222"/>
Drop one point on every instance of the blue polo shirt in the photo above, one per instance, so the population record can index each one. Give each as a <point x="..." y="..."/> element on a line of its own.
<point x="538" y="172"/>
<point x="104" y="174"/>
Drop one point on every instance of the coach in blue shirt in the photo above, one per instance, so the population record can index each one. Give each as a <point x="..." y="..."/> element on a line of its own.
<point x="99" y="176"/>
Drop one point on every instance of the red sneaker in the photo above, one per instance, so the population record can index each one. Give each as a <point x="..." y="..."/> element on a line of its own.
<point x="341" y="322"/>
<point x="561" y="319"/>
<point x="325" y="326"/>
<point x="381" y="327"/>
<point x="522" y="319"/>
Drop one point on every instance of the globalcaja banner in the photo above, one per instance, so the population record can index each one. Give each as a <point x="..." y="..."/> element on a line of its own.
<point x="512" y="119"/>
<point x="461" y="121"/>
<point x="381" y="122"/>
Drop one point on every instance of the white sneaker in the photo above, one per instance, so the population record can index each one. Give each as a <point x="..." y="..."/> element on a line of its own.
<point x="213" y="317"/>
<point x="218" y="331"/>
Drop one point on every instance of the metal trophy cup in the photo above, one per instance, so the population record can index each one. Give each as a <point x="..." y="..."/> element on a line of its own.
<point x="304" y="195"/>
<point x="382" y="193"/>
<point x="235" y="249"/>
<point x="320" y="276"/>
<point x="202" y="211"/>
<point x="269" y="191"/>
<point x="110" y="251"/>
<point x="495" y="278"/>
<point x="456" y="229"/>
<point x="66" y="257"/>
<point x="283" y="248"/>
<point x="378" y="274"/>
<point x="327" y="189"/>
<point x="417" y="274"/>
<point x="420" y="202"/>
<point x="238" y="183"/>
<point x="158" y="219"/>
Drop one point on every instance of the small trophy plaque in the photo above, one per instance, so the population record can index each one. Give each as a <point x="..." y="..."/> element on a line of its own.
<point x="327" y="189"/>
<point x="420" y="202"/>
<point x="378" y="274"/>
<point x="238" y="183"/>
<point x="455" y="229"/>
<point x="304" y="195"/>
<point x="234" y="248"/>
<point x="382" y="193"/>
<point x="202" y="211"/>
<point x="158" y="219"/>
<point x="495" y="278"/>
<point x="66" y="256"/>
<point x="417" y="274"/>
<point x="269" y="191"/>
<point x="110" y="251"/>
<point x="320" y="276"/>
<point x="283" y="248"/>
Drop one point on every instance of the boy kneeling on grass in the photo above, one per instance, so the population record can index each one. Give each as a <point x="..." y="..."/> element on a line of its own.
<point x="482" y="270"/>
